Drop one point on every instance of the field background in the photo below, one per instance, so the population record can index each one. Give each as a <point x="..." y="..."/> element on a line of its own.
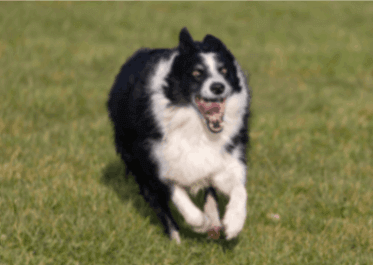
<point x="63" y="195"/>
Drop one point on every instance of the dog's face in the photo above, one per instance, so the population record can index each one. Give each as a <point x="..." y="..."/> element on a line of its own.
<point x="204" y="75"/>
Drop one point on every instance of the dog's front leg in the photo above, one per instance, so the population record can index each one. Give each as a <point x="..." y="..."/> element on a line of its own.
<point x="232" y="183"/>
<point x="234" y="218"/>
<point x="211" y="209"/>
<point x="192" y="215"/>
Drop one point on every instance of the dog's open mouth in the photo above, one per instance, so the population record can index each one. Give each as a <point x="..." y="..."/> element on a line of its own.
<point x="213" y="112"/>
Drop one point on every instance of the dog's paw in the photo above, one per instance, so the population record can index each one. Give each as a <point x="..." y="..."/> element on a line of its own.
<point x="216" y="226"/>
<point x="174" y="236"/>
<point x="233" y="222"/>
<point x="206" y="225"/>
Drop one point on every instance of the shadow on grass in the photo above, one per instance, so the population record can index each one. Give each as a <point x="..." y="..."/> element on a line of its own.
<point x="127" y="189"/>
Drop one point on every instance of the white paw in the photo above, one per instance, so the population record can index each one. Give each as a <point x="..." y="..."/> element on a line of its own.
<point x="194" y="218"/>
<point x="174" y="236"/>
<point x="233" y="222"/>
<point x="204" y="227"/>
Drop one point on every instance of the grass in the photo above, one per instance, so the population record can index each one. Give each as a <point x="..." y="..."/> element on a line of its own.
<point x="63" y="195"/>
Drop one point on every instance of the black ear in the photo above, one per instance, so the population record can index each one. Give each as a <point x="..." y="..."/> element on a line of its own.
<point x="186" y="44"/>
<point x="212" y="43"/>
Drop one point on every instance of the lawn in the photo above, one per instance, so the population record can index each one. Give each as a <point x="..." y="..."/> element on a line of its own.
<point x="64" y="197"/>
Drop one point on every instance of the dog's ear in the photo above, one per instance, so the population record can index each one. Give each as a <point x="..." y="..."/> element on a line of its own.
<point x="186" y="44"/>
<point x="212" y="43"/>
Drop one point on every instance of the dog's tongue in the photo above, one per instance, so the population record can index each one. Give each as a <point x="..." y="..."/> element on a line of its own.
<point x="213" y="112"/>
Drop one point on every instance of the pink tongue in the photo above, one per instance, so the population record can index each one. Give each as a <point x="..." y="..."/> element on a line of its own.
<point x="209" y="107"/>
<point x="213" y="113"/>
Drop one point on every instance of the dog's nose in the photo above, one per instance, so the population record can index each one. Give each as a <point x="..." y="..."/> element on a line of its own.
<point x="217" y="88"/>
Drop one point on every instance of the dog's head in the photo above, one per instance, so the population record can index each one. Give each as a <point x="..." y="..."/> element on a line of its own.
<point x="204" y="75"/>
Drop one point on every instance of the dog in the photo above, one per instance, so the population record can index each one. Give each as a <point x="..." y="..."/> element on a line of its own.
<point x="180" y="119"/>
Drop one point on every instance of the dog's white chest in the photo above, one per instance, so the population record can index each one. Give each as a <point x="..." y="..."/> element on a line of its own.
<point x="188" y="155"/>
<point x="189" y="163"/>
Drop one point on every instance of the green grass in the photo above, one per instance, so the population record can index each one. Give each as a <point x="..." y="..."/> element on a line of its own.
<point x="63" y="198"/>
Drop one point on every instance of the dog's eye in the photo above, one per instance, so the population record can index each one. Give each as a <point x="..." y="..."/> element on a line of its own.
<point x="197" y="73"/>
<point x="223" y="70"/>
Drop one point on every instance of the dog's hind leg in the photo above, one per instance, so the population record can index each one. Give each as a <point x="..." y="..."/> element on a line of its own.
<point x="211" y="209"/>
<point x="127" y="171"/>
<point x="173" y="231"/>
<point x="158" y="200"/>
<point x="125" y="155"/>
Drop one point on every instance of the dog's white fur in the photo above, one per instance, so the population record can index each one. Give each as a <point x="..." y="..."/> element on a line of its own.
<point x="190" y="156"/>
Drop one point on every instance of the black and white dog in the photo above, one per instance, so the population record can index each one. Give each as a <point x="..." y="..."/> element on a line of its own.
<point x="180" y="118"/>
